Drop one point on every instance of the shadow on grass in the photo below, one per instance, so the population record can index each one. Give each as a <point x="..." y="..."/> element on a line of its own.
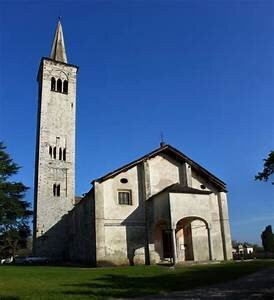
<point x="122" y="286"/>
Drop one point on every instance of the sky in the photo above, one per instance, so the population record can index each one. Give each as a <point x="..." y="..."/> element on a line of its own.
<point x="201" y="72"/>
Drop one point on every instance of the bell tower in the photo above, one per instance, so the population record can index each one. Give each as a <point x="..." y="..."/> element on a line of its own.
<point x="55" y="150"/>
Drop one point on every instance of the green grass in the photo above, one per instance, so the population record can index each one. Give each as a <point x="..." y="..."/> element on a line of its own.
<point x="46" y="282"/>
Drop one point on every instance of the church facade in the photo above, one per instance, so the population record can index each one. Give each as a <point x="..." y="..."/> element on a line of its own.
<point x="160" y="207"/>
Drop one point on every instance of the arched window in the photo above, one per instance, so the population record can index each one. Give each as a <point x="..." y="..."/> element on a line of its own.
<point x="54" y="190"/>
<point x="64" y="154"/>
<point x="50" y="151"/>
<point x="65" y="87"/>
<point x="59" y="85"/>
<point x="53" y="83"/>
<point x="60" y="153"/>
<point x="58" y="190"/>
<point x="54" y="152"/>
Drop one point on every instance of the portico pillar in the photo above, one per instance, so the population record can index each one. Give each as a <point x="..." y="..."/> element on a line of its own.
<point x="174" y="246"/>
<point x="225" y="228"/>
<point x="210" y="248"/>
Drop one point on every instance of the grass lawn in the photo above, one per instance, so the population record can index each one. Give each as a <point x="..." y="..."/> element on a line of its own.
<point x="46" y="282"/>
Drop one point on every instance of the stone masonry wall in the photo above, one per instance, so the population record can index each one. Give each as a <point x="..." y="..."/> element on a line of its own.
<point x="56" y="129"/>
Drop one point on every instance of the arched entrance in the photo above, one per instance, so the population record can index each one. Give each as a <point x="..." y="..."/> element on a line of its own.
<point x="192" y="236"/>
<point x="163" y="240"/>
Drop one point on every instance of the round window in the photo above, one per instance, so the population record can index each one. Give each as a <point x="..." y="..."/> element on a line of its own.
<point x="202" y="187"/>
<point x="123" y="180"/>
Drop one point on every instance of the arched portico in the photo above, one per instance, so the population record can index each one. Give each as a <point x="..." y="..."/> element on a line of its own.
<point x="188" y="240"/>
<point x="191" y="239"/>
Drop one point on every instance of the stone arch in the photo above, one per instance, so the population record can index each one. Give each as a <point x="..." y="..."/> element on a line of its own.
<point x="59" y="81"/>
<point x="193" y="240"/>
<point x="204" y="219"/>
<point x="63" y="75"/>
<point x="59" y="74"/>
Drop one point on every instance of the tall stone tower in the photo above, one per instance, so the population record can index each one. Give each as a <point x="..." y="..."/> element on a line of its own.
<point x="55" y="150"/>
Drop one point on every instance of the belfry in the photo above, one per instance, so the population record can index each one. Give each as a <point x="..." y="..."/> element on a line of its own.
<point x="55" y="148"/>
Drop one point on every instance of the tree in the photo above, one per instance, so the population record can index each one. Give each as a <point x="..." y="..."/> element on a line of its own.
<point x="268" y="239"/>
<point x="14" y="210"/>
<point x="268" y="168"/>
<point x="257" y="249"/>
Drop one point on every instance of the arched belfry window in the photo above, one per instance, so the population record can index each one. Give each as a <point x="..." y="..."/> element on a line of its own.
<point x="58" y="190"/>
<point x="59" y="85"/>
<point x="64" y="154"/>
<point x="65" y="87"/>
<point x="54" y="189"/>
<point x="50" y="151"/>
<point x="53" y="83"/>
<point x="54" y="152"/>
<point x="60" y="153"/>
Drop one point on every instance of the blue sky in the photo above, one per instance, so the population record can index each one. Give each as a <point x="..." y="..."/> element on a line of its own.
<point x="200" y="71"/>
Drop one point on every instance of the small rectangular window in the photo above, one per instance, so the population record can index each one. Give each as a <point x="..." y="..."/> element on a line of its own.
<point x="124" y="197"/>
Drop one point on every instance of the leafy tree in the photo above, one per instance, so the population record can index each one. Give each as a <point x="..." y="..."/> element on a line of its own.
<point x="268" y="239"/>
<point x="268" y="168"/>
<point x="257" y="249"/>
<point x="14" y="210"/>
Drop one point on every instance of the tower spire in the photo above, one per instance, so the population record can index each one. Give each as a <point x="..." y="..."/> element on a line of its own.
<point x="58" y="50"/>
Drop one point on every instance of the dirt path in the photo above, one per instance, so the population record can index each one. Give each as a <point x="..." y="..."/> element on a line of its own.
<point x="259" y="285"/>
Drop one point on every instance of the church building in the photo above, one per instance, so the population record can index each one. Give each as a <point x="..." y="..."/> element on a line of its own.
<point x="161" y="207"/>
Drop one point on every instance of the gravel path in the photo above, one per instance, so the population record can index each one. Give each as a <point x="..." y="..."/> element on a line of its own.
<point x="259" y="285"/>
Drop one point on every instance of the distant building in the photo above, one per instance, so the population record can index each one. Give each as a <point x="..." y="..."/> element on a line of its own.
<point x="242" y="249"/>
<point x="248" y="249"/>
<point x="162" y="206"/>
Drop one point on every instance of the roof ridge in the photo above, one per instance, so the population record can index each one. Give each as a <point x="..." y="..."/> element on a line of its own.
<point x="162" y="149"/>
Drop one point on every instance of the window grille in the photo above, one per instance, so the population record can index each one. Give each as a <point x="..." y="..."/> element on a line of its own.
<point x="124" y="197"/>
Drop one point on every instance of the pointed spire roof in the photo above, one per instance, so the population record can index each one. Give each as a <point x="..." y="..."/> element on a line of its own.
<point x="58" y="50"/>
